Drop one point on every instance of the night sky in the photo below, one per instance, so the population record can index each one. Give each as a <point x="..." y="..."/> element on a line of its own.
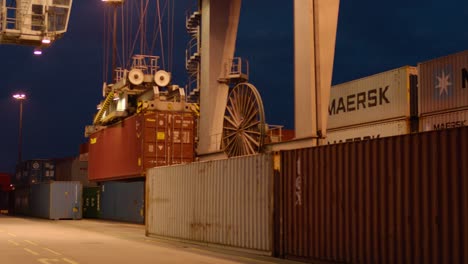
<point x="64" y="85"/>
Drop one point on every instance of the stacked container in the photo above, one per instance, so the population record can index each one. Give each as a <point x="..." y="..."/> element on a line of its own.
<point x="443" y="92"/>
<point x="380" y="105"/>
<point x="34" y="171"/>
<point x="73" y="169"/>
<point x="126" y="149"/>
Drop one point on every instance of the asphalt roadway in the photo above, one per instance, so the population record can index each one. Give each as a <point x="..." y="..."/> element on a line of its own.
<point x="40" y="241"/>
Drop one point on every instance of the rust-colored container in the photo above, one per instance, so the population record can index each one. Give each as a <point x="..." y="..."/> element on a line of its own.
<point x="392" y="200"/>
<point x="128" y="148"/>
<point x="443" y="84"/>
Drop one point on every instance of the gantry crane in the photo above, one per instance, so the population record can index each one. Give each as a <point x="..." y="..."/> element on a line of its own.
<point x="234" y="119"/>
<point x="33" y="22"/>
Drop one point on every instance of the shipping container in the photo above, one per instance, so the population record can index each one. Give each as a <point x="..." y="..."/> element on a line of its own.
<point x="123" y="201"/>
<point x="4" y="202"/>
<point x="73" y="169"/>
<point x="84" y="150"/>
<point x="443" y="84"/>
<point x="22" y="198"/>
<point x="129" y="148"/>
<point x="399" y="199"/>
<point x="367" y="132"/>
<point x="380" y="97"/>
<point x="444" y="120"/>
<point x="5" y="182"/>
<point x="34" y="171"/>
<point x="56" y="200"/>
<point x="91" y="202"/>
<point x="226" y="203"/>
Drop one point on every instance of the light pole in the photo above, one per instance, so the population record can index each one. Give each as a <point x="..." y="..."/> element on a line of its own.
<point x="20" y="97"/>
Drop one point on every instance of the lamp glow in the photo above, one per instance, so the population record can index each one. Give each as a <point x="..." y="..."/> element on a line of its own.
<point x="37" y="51"/>
<point x="46" y="40"/>
<point x="19" y="96"/>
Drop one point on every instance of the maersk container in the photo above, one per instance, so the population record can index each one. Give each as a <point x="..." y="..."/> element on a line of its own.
<point x="444" y="120"/>
<point x="380" y="97"/>
<point x="128" y="148"/>
<point x="56" y="200"/>
<point x="123" y="201"/>
<point x="226" y="203"/>
<point x="443" y="84"/>
<point x="366" y="132"/>
<point x="91" y="202"/>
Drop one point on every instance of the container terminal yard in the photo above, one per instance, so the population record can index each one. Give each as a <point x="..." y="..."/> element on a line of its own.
<point x="177" y="162"/>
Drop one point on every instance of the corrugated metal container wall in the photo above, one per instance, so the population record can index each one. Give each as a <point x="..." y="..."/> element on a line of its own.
<point x="225" y="202"/>
<point x="80" y="173"/>
<point x="123" y="201"/>
<point x="73" y="169"/>
<point x="91" y="202"/>
<point x="63" y="169"/>
<point x="22" y="198"/>
<point x="444" y="120"/>
<point x="372" y="131"/>
<point x="56" y="200"/>
<point x="145" y="141"/>
<point x="379" y="97"/>
<point x="393" y="200"/>
<point x="443" y="84"/>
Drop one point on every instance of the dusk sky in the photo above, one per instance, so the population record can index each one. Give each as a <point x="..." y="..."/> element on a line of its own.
<point x="64" y="85"/>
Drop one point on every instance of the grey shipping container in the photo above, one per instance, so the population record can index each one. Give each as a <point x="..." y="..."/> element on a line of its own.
<point x="123" y="201"/>
<point x="382" y="97"/>
<point x="443" y="84"/>
<point x="225" y="203"/>
<point x="56" y="200"/>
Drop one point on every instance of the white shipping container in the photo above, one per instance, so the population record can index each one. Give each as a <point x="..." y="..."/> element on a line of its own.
<point x="366" y="132"/>
<point x="383" y="96"/>
<point x="443" y="84"/>
<point x="223" y="202"/>
<point x="444" y="120"/>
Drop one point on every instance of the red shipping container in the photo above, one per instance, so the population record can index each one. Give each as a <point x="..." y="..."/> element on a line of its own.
<point x="5" y="182"/>
<point x="128" y="148"/>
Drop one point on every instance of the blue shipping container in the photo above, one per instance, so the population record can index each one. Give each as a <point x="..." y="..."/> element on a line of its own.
<point x="123" y="201"/>
<point x="56" y="200"/>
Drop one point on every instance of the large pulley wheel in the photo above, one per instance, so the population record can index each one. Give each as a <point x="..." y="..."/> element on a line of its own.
<point x="244" y="121"/>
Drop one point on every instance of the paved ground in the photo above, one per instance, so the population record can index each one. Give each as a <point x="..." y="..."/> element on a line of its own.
<point x="38" y="241"/>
